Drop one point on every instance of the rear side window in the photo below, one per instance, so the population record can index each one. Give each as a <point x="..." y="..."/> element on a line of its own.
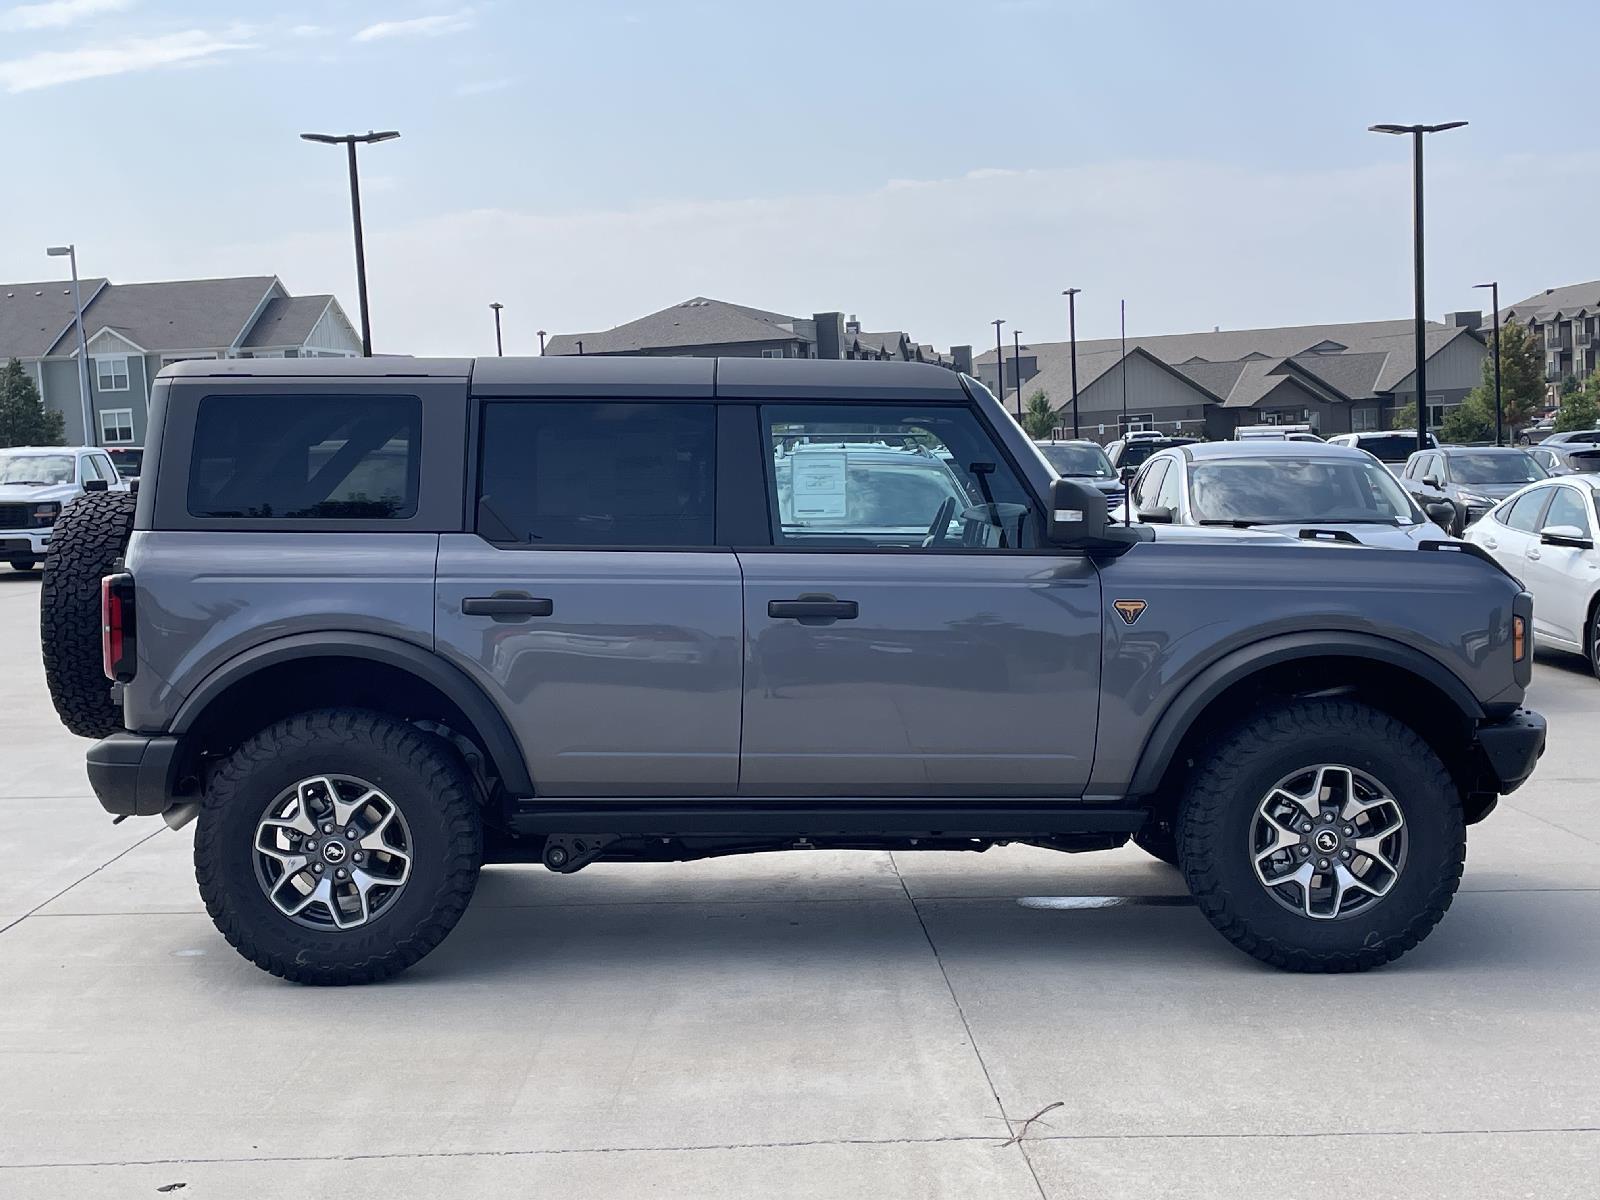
<point x="608" y="473"/>
<point x="299" y="457"/>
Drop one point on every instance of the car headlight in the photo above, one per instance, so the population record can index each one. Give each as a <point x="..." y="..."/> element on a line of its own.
<point x="46" y="514"/>
<point x="1474" y="498"/>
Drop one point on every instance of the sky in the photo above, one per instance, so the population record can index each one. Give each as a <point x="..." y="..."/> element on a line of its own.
<point x="929" y="165"/>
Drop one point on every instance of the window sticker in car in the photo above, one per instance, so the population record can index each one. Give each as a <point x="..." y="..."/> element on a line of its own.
<point x="821" y="485"/>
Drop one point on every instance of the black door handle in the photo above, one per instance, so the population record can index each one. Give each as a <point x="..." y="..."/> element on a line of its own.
<point x="812" y="609"/>
<point x="507" y="606"/>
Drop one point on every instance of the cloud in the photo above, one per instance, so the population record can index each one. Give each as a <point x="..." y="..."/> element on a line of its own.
<point x="436" y="25"/>
<point x="480" y="87"/>
<point x="50" y="68"/>
<point x="309" y="31"/>
<point x="55" y="14"/>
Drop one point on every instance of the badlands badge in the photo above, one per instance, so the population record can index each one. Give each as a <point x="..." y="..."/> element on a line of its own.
<point x="1129" y="610"/>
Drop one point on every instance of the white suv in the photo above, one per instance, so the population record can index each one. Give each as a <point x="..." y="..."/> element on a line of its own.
<point x="36" y="483"/>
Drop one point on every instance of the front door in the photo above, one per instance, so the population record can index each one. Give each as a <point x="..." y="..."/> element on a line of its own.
<point x="1561" y="577"/>
<point x="592" y="602"/>
<point x="906" y="634"/>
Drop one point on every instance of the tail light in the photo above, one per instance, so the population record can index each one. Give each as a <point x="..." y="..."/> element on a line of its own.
<point x="117" y="633"/>
<point x="1519" y="638"/>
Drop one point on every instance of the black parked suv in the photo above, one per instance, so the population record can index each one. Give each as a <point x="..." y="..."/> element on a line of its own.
<point x="437" y="613"/>
<point x="1455" y="485"/>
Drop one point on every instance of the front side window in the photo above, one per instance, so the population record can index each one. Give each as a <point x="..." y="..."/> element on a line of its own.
<point x="111" y="372"/>
<point x="892" y="476"/>
<point x="1568" y="507"/>
<point x="1149" y="483"/>
<point x="1268" y="491"/>
<point x="116" y="427"/>
<point x="598" y="474"/>
<point x="306" y="457"/>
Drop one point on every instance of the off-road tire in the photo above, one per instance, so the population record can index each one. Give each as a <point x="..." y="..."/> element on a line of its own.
<point x="1159" y="839"/>
<point x="1219" y="807"/>
<point x="89" y="536"/>
<point x="420" y="773"/>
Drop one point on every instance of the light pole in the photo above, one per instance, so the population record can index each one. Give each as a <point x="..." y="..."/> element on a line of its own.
<point x="499" y="346"/>
<point x="541" y="343"/>
<point x="1072" y="332"/>
<point x="1416" y="132"/>
<point x="1494" y="299"/>
<point x="348" y="141"/>
<point x="1016" y="367"/>
<point x="90" y="437"/>
<point x="1122" y="367"/>
<point x="999" y="362"/>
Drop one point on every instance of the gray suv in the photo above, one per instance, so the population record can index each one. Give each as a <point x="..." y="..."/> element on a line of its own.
<point x="379" y="622"/>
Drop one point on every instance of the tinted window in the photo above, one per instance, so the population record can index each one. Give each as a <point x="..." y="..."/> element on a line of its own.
<point x="1508" y="467"/>
<point x="1273" y="490"/>
<point x="297" y="457"/>
<point x="1524" y="512"/>
<point x="1146" y="487"/>
<point x="1390" y="447"/>
<point x="601" y="474"/>
<point x="1076" y="461"/>
<point x="898" y="476"/>
<point x="1567" y="508"/>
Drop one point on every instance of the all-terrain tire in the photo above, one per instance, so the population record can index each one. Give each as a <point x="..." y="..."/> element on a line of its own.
<point x="89" y="536"/>
<point x="1218" y="812"/>
<point x="424" y="778"/>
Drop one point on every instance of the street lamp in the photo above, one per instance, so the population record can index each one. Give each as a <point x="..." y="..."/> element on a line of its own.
<point x="541" y="343"/>
<point x="348" y="141"/>
<point x="1494" y="299"/>
<point x="1416" y="132"/>
<point x="1072" y="332"/>
<point x="71" y="253"/>
<point x="499" y="346"/>
<point x="999" y="362"/>
<point x="1016" y="366"/>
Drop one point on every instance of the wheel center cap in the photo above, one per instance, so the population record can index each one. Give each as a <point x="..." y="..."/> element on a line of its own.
<point x="333" y="851"/>
<point x="1326" y="841"/>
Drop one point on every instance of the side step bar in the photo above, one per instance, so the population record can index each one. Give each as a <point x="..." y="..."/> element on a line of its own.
<point x="815" y="818"/>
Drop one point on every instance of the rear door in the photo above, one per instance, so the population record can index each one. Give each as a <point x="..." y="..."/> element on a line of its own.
<point x="910" y="636"/>
<point x="592" y="599"/>
<point x="1562" y="578"/>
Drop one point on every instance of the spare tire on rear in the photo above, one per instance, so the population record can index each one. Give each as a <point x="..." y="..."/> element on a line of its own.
<point x="89" y="537"/>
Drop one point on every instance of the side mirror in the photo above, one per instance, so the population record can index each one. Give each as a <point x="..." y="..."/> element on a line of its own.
<point x="1157" y="516"/>
<point x="1565" y="535"/>
<point x="133" y="485"/>
<point x="1430" y="481"/>
<point x="1126" y="474"/>
<point x="1441" y="514"/>
<point x="96" y="485"/>
<point x="1077" y="513"/>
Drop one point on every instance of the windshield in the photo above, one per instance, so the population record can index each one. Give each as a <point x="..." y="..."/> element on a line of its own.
<point x="1515" y="467"/>
<point x="1075" y="461"/>
<point x="1391" y="447"/>
<point x="1264" y="491"/>
<point x="35" y="468"/>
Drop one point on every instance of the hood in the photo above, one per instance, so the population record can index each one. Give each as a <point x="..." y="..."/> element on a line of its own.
<point x="20" y="493"/>
<point x="1388" y="537"/>
<point x="1495" y="491"/>
<point x="1219" y="535"/>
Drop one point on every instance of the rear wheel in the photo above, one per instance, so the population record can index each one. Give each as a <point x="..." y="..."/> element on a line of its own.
<point x="89" y="536"/>
<point x="338" y="846"/>
<point x="24" y="564"/>
<point x="1323" y="835"/>
<point x="1594" y="640"/>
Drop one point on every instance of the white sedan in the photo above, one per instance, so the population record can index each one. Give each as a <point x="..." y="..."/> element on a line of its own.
<point x="1545" y="536"/>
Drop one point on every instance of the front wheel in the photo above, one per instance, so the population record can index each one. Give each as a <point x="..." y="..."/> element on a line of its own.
<point x="24" y="564"/>
<point x="338" y="846"/>
<point x="1323" y="835"/>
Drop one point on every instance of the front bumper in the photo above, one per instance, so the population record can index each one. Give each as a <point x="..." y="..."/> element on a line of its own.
<point x="23" y="543"/>
<point x="132" y="774"/>
<point x="1511" y="747"/>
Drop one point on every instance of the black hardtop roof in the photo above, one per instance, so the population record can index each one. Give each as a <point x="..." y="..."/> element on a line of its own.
<point x="654" y="376"/>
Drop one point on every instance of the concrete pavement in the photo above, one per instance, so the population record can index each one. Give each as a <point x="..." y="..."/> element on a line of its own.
<point x="805" y="1024"/>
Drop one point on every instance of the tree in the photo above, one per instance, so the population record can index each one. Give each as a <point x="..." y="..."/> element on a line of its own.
<point x="1569" y="385"/>
<point x="1470" y="421"/>
<point x="24" y="420"/>
<point x="1404" y="417"/>
<point x="1521" y="377"/>
<point x="1040" y="418"/>
<point x="1580" y="409"/>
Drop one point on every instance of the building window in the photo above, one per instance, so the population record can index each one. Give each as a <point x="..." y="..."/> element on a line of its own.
<point x="1136" y="422"/>
<point x="111" y="373"/>
<point x="1436" y="410"/>
<point x="116" y="426"/>
<point x="772" y="353"/>
<point x="1363" y="420"/>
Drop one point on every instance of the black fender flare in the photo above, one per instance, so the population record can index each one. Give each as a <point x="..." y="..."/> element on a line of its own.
<point x="462" y="691"/>
<point x="1185" y="708"/>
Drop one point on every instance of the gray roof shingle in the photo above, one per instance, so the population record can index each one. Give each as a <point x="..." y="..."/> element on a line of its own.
<point x="34" y="316"/>
<point x="287" y="321"/>
<point x="186" y="314"/>
<point x="699" y="321"/>
<point x="1564" y="300"/>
